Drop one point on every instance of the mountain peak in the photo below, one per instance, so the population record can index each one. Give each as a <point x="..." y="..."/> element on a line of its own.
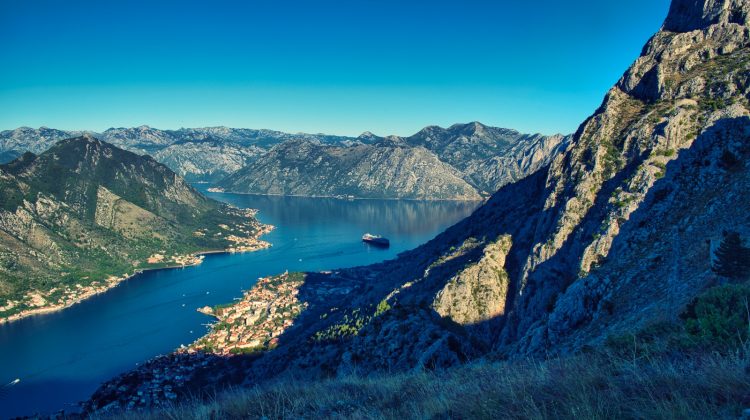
<point x="85" y="138"/>
<point x="691" y="15"/>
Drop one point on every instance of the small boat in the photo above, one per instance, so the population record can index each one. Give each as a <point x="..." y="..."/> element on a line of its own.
<point x="376" y="240"/>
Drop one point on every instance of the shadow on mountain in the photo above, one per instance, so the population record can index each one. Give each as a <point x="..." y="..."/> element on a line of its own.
<point x="347" y="328"/>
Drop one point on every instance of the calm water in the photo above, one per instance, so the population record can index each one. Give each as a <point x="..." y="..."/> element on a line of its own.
<point x="62" y="358"/>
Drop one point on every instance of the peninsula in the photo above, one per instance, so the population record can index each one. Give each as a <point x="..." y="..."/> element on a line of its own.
<point x="83" y="216"/>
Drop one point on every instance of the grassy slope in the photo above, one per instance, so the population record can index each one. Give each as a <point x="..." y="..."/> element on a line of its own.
<point x="583" y="387"/>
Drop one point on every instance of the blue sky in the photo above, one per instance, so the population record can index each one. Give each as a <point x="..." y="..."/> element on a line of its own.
<point x="334" y="66"/>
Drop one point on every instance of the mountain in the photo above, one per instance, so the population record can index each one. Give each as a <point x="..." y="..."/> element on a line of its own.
<point x="465" y="161"/>
<point x="614" y="240"/>
<point x="14" y="143"/>
<point x="300" y="167"/>
<point x="84" y="211"/>
<point x="489" y="157"/>
<point x="198" y="154"/>
<point x="209" y="160"/>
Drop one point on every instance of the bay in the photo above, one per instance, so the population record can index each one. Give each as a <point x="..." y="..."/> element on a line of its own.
<point x="61" y="358"/>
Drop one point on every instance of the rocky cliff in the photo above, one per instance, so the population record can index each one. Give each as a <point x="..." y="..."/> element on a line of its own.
<point x="84" y="212"/>
<point x="489" y="157"/>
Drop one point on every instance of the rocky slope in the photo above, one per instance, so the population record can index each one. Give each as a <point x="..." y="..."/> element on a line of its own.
<point x="489" y="157"/>
<point x="617" y="232"/>
<point x="84" y="213"/>
<point x="208" y="160"/>
<point x="465" y="161"/>
<point x="371" y="171"/>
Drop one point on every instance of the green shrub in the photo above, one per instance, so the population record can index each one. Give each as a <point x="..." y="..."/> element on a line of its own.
<point x="719" y="318"/>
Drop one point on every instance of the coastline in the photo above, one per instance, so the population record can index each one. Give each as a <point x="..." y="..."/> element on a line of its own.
<point x="113" y="281"/>
<point x="337" y="197"/>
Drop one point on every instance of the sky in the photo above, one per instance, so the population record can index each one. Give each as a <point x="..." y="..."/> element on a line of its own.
<point x="321" y="66"/>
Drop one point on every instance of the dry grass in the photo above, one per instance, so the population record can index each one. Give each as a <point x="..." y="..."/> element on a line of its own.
<point x="582" y="387"/>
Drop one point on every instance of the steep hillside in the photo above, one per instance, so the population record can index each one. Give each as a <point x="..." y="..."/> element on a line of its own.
<point x="489" y="157"/>
<point x="370" y="171"/>
<point x="83" y="213"/>
<point x="208" y="160"/>
<point x="618" y="232"/>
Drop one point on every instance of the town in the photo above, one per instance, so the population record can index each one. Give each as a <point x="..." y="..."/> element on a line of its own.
<point x="255" y="322"/>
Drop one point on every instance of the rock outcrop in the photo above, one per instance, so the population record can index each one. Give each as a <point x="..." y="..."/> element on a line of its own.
<point x="691" y="15"/>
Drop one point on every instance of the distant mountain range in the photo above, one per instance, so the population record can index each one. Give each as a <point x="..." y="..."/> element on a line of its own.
<point x="464" y="161"/>
<point x="197" y="154"/>
<point x="84" y="213"/>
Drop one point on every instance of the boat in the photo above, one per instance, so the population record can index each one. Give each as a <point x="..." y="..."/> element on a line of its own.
<point x="376" y="240"/>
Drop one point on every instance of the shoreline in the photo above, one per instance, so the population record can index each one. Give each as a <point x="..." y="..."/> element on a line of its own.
<point x="428" y="200"/>
<point x="114" y="281"/>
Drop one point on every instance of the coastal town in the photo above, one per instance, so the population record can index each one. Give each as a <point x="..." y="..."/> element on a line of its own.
<point x="244" y="237"/>
<point x="255" y="322"/>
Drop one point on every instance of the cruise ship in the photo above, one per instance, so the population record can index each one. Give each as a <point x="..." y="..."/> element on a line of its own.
<point x="376" y="240"/>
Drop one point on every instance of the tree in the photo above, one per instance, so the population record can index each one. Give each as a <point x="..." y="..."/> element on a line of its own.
<point x="732" y="258"/>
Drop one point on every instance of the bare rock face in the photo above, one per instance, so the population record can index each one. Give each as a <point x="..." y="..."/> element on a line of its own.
<point x="690" y="15"/>
<point x="478" y="293"/>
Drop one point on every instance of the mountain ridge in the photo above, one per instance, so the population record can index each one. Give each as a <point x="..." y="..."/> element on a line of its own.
<point x="486" y="157"/>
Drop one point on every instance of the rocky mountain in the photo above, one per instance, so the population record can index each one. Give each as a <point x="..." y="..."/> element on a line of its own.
<point x="198" y="154"/>
<point x="208" y="160"/>
<point x="489" y="157"/>
<point x="14" y="143"/>
<point x="483" y="158"/>
<point x="617" y="232"/>
<point x="300" y="167"/>
<point x="465" y="161"/>
<point x="84" y="211"/>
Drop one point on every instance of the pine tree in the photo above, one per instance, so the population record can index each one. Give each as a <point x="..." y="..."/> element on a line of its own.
<point x="732" y="259"/>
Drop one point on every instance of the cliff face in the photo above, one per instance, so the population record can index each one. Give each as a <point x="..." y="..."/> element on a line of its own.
<point x="85" y="211"/>
<point x="690" y="15"/>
